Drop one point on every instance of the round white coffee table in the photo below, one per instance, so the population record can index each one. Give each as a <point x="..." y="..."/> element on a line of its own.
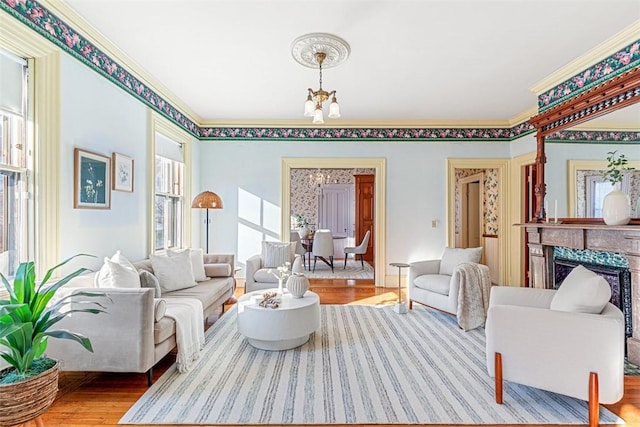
<point x="282" y="328"/>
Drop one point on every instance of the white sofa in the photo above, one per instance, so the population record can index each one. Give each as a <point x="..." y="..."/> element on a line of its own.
<point x="132" y="336"/>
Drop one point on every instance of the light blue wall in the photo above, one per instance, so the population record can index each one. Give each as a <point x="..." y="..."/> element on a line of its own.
<point x="416" y="188"/>
<point x="99" y="117"/>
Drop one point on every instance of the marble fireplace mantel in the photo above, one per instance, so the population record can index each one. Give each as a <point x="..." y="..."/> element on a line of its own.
<point x="625" y="240"/>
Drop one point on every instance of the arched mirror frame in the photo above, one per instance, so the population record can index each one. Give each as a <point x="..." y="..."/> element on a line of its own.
<point x="613" y="94"/>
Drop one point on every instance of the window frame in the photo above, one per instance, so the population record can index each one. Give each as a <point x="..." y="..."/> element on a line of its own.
<point x="160" y="125"/>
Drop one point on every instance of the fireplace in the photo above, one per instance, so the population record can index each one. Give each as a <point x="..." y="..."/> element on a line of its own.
<point x="619" y="278"/>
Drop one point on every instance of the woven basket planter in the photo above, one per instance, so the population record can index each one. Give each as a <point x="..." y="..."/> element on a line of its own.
<point x="28" y="399"/>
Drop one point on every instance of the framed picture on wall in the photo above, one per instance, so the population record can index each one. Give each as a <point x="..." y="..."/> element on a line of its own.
<point x="92" y="180"/>
<point x="122" y="172"/>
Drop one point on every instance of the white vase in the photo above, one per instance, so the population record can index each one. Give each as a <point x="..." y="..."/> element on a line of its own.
<point x="303" y="231"/>
<point x="280" y="288"/>
<point x="616" y="207"/>
<point x="297" y="285"/>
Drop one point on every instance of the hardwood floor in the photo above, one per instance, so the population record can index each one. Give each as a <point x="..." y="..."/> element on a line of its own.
<point x="100" y="399"/>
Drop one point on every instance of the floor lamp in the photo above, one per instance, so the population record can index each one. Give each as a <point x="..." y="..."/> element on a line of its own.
<point x="207" y="200"/>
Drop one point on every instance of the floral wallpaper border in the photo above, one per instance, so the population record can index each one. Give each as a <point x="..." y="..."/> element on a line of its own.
<point x="595" y="137"/>
<point x="612" y="259"/>
<point x="41" y="20"/>
<point x="621" y="61"/>
<point x="44" y="22"/>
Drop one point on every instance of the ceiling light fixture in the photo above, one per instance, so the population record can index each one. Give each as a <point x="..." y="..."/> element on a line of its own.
<point x="320" y="50"/>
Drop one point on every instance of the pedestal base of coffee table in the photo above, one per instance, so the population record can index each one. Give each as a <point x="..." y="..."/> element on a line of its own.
<point x="282" y="328"/>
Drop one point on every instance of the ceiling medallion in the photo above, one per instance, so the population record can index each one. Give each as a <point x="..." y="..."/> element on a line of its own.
<point x="305" y="48"/>
<point x="318" y="50"/>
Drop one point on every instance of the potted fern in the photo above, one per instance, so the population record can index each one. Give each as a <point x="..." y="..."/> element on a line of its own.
<point x="27" y="319"/>
<point x="616" y="206"/>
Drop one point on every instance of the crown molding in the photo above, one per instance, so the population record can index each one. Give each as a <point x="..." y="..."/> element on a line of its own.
<point x="598" y="53"/>
<point x="67" y="14"/>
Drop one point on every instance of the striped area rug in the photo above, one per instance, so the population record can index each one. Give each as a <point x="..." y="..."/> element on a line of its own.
<point x="366" y="365"/>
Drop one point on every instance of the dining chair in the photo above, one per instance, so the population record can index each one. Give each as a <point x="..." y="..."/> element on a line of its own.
<point x="323" y="248"/>
<point x="361" y="249"/>
<point x="294" y="236"/>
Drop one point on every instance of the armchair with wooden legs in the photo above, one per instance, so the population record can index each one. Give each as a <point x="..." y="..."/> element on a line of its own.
<point x="571" y="353"/>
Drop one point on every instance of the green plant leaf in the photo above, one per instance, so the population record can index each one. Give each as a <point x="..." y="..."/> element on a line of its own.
<point x="64" y="334"/>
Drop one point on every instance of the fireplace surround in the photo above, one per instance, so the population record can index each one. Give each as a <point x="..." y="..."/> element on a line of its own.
<point x="623" y="240"/>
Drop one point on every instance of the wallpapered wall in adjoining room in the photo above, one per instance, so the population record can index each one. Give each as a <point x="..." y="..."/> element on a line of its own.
<point x="304" y="199"/>
<point x="490" y="202"/>
<point x="581" y="182"/>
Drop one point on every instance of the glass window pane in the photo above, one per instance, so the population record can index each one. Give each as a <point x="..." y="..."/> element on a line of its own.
<point x="160" y="217"/>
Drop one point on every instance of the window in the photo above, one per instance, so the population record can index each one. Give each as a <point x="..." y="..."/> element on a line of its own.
<point x="169" y="194"/>
<point x="596" y="189"/>
<point x="14" y="147"/>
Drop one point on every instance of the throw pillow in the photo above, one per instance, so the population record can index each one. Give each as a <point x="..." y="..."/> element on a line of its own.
<point x="159" y="309"/>
<point x="218" y="269"/>
<point x="148" y="280"/>
<point x="173" y="272"/>
<point x="454" y="256"/>
<point x="197" y="262"/>
<point x="275" y="254"/>
<point x="117" y="272"/>
<point x="582" y="291"/>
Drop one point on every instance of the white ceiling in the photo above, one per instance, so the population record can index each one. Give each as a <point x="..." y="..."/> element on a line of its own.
<point x="411" y="62"/>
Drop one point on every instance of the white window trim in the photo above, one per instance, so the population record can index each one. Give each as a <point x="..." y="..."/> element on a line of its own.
<point x="44" y="118"/>
<point x="159" y="124"/>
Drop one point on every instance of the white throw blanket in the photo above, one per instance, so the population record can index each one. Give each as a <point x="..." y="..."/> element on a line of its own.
<point x="473" y="297"/>
<point x="187" y="313"/>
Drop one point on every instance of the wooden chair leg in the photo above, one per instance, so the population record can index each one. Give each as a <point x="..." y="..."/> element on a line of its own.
<point x="498" y="377"/>
<point x="362" y="260"/>
<point x="594" y="400"/>
<point x="410" y="305"/>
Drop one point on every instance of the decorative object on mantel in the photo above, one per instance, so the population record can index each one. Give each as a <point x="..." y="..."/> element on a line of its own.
<point x="616" y="205"/>
<point x="207" y="200"/>
<point x="270" y="300"/>
<point x="318" y="50"/>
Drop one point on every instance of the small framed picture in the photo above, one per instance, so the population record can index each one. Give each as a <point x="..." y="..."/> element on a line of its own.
<point x="92" y="180"/>
<point x="122" y="172"/>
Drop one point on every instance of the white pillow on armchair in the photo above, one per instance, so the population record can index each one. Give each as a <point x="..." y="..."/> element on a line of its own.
<point x="452" y="257"/>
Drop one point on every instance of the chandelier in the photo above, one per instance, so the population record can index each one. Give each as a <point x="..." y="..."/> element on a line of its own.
<point x="320" y="50"/>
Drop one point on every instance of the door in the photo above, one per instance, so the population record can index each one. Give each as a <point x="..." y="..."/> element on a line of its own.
<point x="473" y="215"/>
<point x="334" y="209"/>
<point x="471" y="220"/>
<point x="365" y="188"/>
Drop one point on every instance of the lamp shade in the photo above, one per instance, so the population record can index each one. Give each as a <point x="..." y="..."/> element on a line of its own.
<point x="207" y="200"/>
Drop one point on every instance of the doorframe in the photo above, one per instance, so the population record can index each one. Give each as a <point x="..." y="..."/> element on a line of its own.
<point x="517" y="238"/>
<point x="504" y="230"/>
<point x="464" y="191"/>
<point x="380" y="167"/>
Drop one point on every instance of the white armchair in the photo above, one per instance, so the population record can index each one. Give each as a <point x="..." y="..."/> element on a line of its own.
<point x="273" y="255"/>
<point x="436" y="283"/>
<point x="531" y="340"/>
<point x="361" y="249"/>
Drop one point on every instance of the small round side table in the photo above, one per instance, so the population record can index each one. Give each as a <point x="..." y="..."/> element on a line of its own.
<point x="399" y="308"/>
